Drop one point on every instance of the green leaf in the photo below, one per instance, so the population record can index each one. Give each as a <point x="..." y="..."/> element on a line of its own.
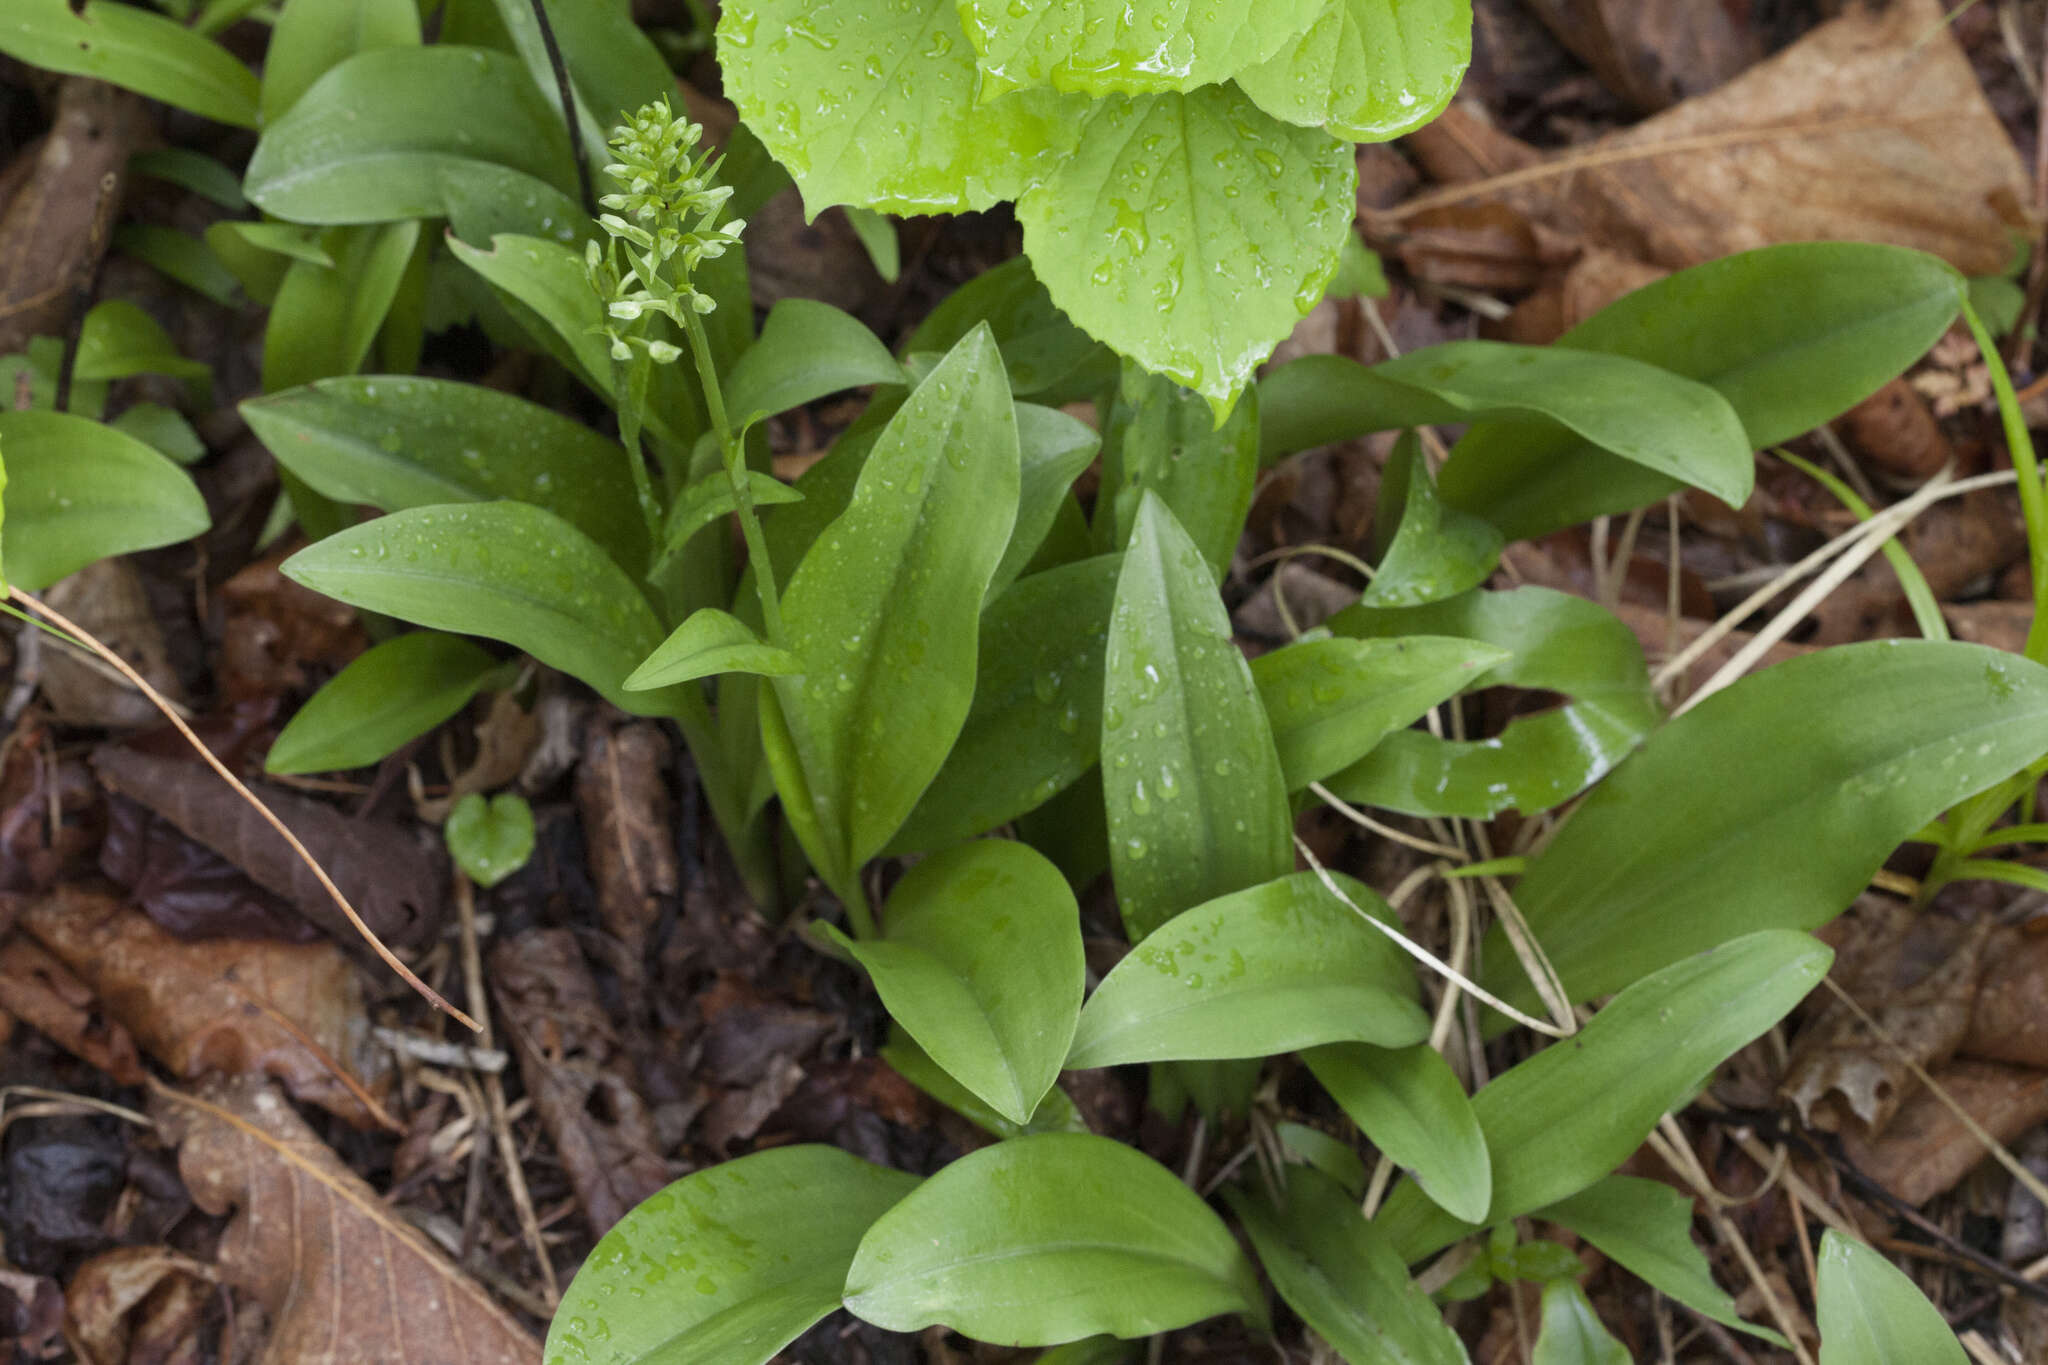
<point x="1048" y="357"/>
<point x="504" y="570"/>
<point x="879" y="106"/>
<point x="395" y="442"/>
<point x="1036" y="721"/>
<point x="324" y="319"/>
<point x="1571" y="1333"/>
<point x="1339" y="1272"/>
<point x="1164" y="439"/>
<point x="1093" y="1238"/>
<point x="981" y="963"/>
<point x="390" y="694"/>
<point x="1331" y="702"/>
<point x="1335" y="1160"/>
<point x="1559" y="643"/>
<point x="709" y="643"/>
<point x="710" y="498"/>
<point x="1645" y="1226"/>
<point x="1368" y="70"/>
<point x="885" y="609"/>
<point x="1569" y="1115"/>
<point x="1053" y="449"/>
<point x="1197" y="806"/>
<point x="1412" y="1106"/>
<point x="614" y="68"/>
<point x="182" y="257"/>
<point x="807" y="350"/>
<point x="1871" y="1314"/>
<point x="1838" y="757"/>
<point x="1090" y="1351"/>
<point x="1434" y="551"/>
<point x="118" y="339"/>
<point x="1196" y="258"/>
<point x="1055" y="1113"/>
<point x="134" y="49"/>
<point x="878" y="238"/>
<point x="743" y="1256"/>
<point x="1106" y="47"/>
<point x="312" y="37"/>
<point x="194" y="171"/>
<point x="490" y="840"/>
<point x="163" y="430"/>
<point x="1792" y="336"/>
<point x="368" y="143"/>
<point x="79" y="492"/>
<point x="1258" y="972"/>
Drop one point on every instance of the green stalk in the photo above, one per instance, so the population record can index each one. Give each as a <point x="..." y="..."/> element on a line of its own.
<point x="630" y="379"/>
<point x="734" y="452"/>
<point x="2033" y="499"/>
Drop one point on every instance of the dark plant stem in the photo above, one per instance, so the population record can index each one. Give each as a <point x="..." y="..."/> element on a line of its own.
<point x="568" y="98"/>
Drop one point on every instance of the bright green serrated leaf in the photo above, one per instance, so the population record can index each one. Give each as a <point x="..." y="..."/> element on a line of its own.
<point x="79" y="492"/>
<point x="1368" y="70"/>
<point x="387" y="696"/>
<point x="1107" y="47"/>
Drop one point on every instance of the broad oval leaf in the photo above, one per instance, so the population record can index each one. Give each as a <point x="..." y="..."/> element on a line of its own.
<point x="388" y="695"/>
<point x="133" y="48"/>
<point x="489" y="839"/>
<point x="1430" y="550"/>
<point x="1339" y="1272"/>
<point x="806" y="350"/>
<point x="980" y="962"/>
<point x="313" y="36"/>
<point x="78" y="491"/>
<point x="395" y="442"/>
<point x="1200" y="256"/>
<point x="1094" y="1238"/>
<point x="1055" y="1113"/>
<point x="1267" y="970"/>
<point x="504" y="570"/>
<point x="727" y="1266"/>
<point x="1162" y="438"/>
<point x="1196" y="804"/>
<point x="1870" y="1313"/>
<point x="1107" y="47"/>
<point x="1368" y="70"/>
<point x="1839" y="756"/>
<point x="1569" y="1115"/>
<point x="709" y="643"/>
<point x="1572" y="1333"/>
<point x="1412" y="1106"/>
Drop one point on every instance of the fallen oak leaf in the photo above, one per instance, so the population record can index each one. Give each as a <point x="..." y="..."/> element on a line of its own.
<point x="38" y="989"/>
<point x="345" y="1281"/>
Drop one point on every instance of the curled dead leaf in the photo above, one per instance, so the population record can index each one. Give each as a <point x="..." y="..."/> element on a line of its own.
<point x="41" y="991"/>
<point x="1926" y="1150"/>
<point x="140" y="1303"/>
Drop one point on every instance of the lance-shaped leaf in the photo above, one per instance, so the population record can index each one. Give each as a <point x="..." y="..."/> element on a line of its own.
<point x="709" y="643"/>
<point x="1368" y="70"/>
<point x="710" y="498"/>
<point x="884" y="612"/>
<point x="1429" y="551"/>
<point x="1839" y="757"/>
<point x="1197" y="805"/>
<point x="981" y="963"/>
<point x="1572" y="1333"/>
<point x="727" y="1266"/>
<point x="78" y="492"/>
<point x="1559" y="643"/>
<point x="806" y="350"/>
<point x="1093" y="1238"/>
<point x="1569" y="1115"/>
<point x="614" y="68"/>
<point x="1049" y="358"/>
<point x="1055" y="1113"/>
<point x="1412" y="1106"/>
<point x="1163" y="439"/>
<point x="1271" y="969"/>
<point x="1870" y="1313"/>
<point x="389" y="695"/>
<point x="1339" y="1272"/>
<point x="1106" y="47"/>
<point x="135" y="49"/>
<point x="1055" y="448"/>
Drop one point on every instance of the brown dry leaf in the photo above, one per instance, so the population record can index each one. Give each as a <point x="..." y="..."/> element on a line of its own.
<point x="41" y="991"/>
<point x="1597" y="278"/>
<point x="1926" y="1150"/>
<point x="1895" y="430"/>
<point x="507" y="738"/>
<point x="395" y="880"/>
<point x="628" y="831"/>
<point x="276" y="629"/>
<point x="2008" y="1023"/>
<point x="31" y="1315"/>
<point x="344" y="1280"/>
<point x="577" y="1071"/>
<point x="293" y="1011"/>
<point x="108" y="599"/>
<point x="1654" y="53"/>
<point x="140" y="1304"/>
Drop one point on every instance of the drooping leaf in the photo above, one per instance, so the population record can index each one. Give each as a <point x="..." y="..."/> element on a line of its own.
<point x="1560" y="643"/>
<point x="1163" y="439"/>
<point x="1048" y="357"/>
<point x="1278" y="967"/>
<point x="390" y="694"/>
<point x="1412" y="1106"/>
<point x="490" y="840"/>
<point x="1055" y="1113"/>
<point x="78" y="492"/>
<point x="135" y="49"/>
<point x="1569" y="1115"/>
<point x="1339" y="1272"/>
<point x="1198" y="257"/>
<point x="751" y="1253"/>
<point x="1368" y="70"/>
<point x="1434" y="551"/>
<point x="708" y="643"/>
<point x="806" y="350"/>
<point x="981" y="963"/>
<point x="1839" y="756"/>
<point x="1197" y="806"/>
<point x="1871" y="1314"/>
<point x="1572" y="1333"/>
<point x="877" y="236"/>
<point x="1107" y="47"/>
<point x="1095" y="1238"/>
<point x="312" y="37"/>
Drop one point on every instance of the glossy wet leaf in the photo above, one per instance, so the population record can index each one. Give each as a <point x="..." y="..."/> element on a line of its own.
<point x="133" y="48"/>
<point x="1571" y="1333"/>
<point x="369" y="141"/>
<point x="1559" y="643"/>
<point x="1561" y="1120"/>
<point x="1197" y="806"/>
<point x="395" y="442"/>
<point x="1054" y="449"/>
<point x="1090" y="1238"/>
<point x="1106" y="47"/>
<point x="388" y="695"/>
<point x="1255" y="973"/>
<point x="710" y="642"/>
<point x="1871" y="1313"/>
<point x="325" y="318"/>
<point x="1434" y="551"/>
<point x="1331" y="702"/>
<point x="878" y="105"/>
<point x="1036" y="721"/>
<point x="312" y="37"/>
<point x="1412" y="1106"/>
<point x="980" y="962"/>
<point x="741" y="1258"/>
<point x="884" y="611"/>
<point x="806" y="350"/>
<point x="503" y="570"/>
<point x="1367" y="70"/>
<point x="490" y="839"/>
<point x="1792" y="336"/>
<point x="1645" y="1226"/>
<point x="710" y="498"/>
<point x="78" y="492"/>
<point x="1048" y="357"/>
<point x="1839" y="757"/>
<point x="1199" y="256"/>
<point x="1164" y="439"/>
<point x="1055" y="1113"/>
<point x="1340" y="1274"/>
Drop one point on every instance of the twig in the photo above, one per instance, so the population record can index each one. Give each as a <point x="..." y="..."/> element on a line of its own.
<point x="567" y="93"/>
<point x="439" y="1053"/>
